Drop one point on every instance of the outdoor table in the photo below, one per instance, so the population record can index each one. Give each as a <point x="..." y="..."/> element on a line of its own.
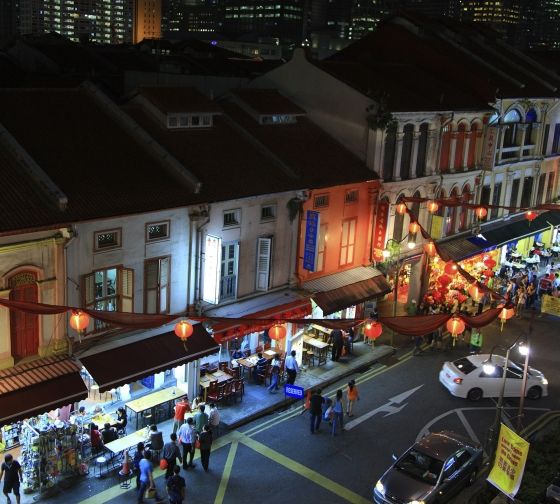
<point x="100" y="419"/>
<point x="532" y="260"/>
<point x="218" y="376"/>
<point x="325" y="332"/>
<point x="248" y="363"/>
<point x="126" y="442"/>
<point x="150" y="401"/>
<point x="321" y="347"/>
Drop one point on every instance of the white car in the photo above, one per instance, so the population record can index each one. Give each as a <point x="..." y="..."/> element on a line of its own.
<point x="466" y="378"/>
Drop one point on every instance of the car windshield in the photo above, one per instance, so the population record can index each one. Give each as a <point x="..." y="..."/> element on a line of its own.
<point x="420" y="466"/>
<point x="464" y="365"/>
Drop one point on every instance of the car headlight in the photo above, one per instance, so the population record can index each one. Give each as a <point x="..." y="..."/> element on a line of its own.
<point x="544" y="381"/>
<point x="380" y="488"/>
<point x="417" y="502"/>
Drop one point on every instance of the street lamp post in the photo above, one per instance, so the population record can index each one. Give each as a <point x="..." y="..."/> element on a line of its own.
<point x="390" y="246"/>
<point x="489" y="368"/>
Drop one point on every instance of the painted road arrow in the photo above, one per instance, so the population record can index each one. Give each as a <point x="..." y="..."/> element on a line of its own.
<point x="389" y="408"/>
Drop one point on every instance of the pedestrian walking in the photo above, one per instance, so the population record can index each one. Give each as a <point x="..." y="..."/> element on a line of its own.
<point x="316" y="410"/>
<point x="182" y="406"/>
<point x="337" y="341"/>
<point x="214" y="419"/>
<point x="187" y="438"/>
<point x="292" y="368"/>
<point x="352" y="395"/>
<point x="147" y="483"/>
<point x="138" y="456"/>
<point x="338" y="413"/>
<point x="437" y="340"/>
<point x="176" y="487"/>
<point x="476" y="341"/>
<point x="12" y="474"/>
<point x="205" y="439"/>
<point x="171" y="453"/>
<point x="275" y="374"/>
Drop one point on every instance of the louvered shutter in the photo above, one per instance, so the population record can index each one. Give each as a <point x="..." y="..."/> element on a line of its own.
<point x="164" y="285"/>
<point x="88" y="290"/>
<point x="264" y="250"/>
<point x="151" y="287"/>
<point x="126" y="291"/>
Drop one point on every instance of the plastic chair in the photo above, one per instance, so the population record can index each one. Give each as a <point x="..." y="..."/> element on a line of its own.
<point x="98" y="466"/>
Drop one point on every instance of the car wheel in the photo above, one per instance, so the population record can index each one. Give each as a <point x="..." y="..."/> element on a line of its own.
<point x="534" y="393"/>
<point x="472" y="478"/>
<point x="474" y="394"/>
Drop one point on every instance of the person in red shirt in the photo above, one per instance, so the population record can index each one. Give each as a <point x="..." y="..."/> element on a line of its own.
<point x="95" y="437"/>
<point x="181" y="407"/>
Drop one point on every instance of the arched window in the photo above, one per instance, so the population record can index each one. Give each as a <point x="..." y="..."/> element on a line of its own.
<point x="406" y="157"/>
<point x="398" y="225"/>
<point x="464" y="217"/>
<point x="389" y="155"/>
<point x="530" y="118"/>
<point x="510" y="125"/>
<point x="471" y="159"/>
<point x="445" y="148"/>
<point x="422" y="149"/>
<point x="451" y="219"/>
<point x="460" y="147"/>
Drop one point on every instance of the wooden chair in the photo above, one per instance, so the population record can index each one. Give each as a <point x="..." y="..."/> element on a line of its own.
<point x="238" y="388"/>
<point x="259" y="349"/>
<point x="221" y="392"/>
<point x="223" y="366"/>
<point x="213" y="368"/>
<point x="228" y="390"/>
<point x="268" y="374"/>
<point x="213" y="392"/>
<point x="235" y="372"/>
<point x="261" y="376"/>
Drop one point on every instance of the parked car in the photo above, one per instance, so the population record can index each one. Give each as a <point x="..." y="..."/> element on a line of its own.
<point x="433" y="470"/>
<point x="466" y="378"/>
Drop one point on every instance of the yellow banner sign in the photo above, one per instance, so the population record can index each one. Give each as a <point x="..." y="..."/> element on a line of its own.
<point x="511" y="455"/>
<point x="550" y="305"/>
<point x="436" y="231"/>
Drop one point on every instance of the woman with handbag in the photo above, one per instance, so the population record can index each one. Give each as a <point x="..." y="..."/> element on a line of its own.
<point x="147" y="484"/>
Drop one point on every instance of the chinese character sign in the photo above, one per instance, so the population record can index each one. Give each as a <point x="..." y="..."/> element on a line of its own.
<point x="550" y="305"/>
<point x="311" y="240"/>
<point x="511" y="455"/>
<point x="436" y="231"/>
<point x="380" y="230"/>
<point x="489" y="149"/>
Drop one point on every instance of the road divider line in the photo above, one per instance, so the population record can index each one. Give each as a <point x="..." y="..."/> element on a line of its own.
<point x="226" y="473"/>
<point x="304" y="471"/>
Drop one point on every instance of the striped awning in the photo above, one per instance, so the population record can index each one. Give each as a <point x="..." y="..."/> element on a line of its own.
<point x="39" y="386"/>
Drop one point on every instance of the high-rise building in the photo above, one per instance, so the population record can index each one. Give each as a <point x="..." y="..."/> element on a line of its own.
<point x="367" y="14"/>
<point x="542" y="22"/>
<point x="102" y="21"/>
<point x="8" y="15"/>
<point x="146" y="20"/>
<point x="181" y="17"/>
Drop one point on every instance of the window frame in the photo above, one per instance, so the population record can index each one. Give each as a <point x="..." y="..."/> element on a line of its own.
<point x="117" y="231"/>
<point x="271" y="217"/>
<point x="237" y="213"/>
<point x="348" y="249"/>
<point x="163" y="222"/>
<point x="317" y="198"/>
<point x="263" y="270"/>
<point x="158" y="288"/>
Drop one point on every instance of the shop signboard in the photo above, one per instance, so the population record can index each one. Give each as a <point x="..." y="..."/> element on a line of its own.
<point x="489" y="151"/>
<point x="436" y="231"/>
<point x="380" y="230"/>
<point x="311" y="244"/>
<point x="212" y="252"/>
<point x="511" y="454"/>
<point x="294" y="391"/>
<point x="551" y="305"/>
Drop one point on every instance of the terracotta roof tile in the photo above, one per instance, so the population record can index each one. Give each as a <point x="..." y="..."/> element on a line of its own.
<point x="179" y="99"/>
<point x="268" y="102"/>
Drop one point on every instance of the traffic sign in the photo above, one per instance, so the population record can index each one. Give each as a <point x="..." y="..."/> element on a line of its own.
<point x="294" y="391"/>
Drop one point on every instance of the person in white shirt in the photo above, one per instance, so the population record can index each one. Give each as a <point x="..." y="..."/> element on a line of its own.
<point x="187" y="438"/>
<point x="275" y="365"/>
<point x="214" y="420"/>
<point x="292" y="368"/>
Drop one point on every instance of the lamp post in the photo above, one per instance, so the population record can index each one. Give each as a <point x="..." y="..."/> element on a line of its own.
<point x="391" y="246"/>
<point x="489" y="368"/>
<point x="526" y="352"/>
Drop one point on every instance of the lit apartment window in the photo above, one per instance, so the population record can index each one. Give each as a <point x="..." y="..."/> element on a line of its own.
<point x="106" y="240"/>
<point x="232" y="217"/>
<point x="351" y="197"/>
<point x="157" y="231"/>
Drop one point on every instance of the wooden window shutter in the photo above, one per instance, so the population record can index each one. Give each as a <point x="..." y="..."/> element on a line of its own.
<point x="151" y="287"/>
<point x="264" y="251"/>
<point x="164" y="285"/>
<point x="126" y="289"/>
<point x="88" y="290"/>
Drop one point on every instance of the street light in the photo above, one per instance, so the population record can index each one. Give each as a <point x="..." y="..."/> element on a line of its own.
<point x="488" y="367"/>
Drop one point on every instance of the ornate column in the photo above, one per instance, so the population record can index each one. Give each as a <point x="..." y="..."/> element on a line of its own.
<point x="464" y="164"/>
<point x="452" y="148"/>
<point x="523" y="128"/>
<point x="432" y="151"/>
<point x="414" y="157"/>
<point x="398" y="156"/>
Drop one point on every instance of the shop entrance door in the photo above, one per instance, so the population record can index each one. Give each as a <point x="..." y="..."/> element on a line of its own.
<point x="24" y="327"/>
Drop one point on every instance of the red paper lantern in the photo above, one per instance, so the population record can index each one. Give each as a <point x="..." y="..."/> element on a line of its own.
<point x="461" y="298"/>
<point x="372" y="329"/>
<point x="506" y="314"/>
<point x="430" y="249"/>
<point x="488" y="273"/>
<point x="455" y="326"/>
<point x="489" y="263"/>
<point x="481" y="212"/>
<point x="432" y="206"/>
<point x="450" y="268"/>
<point x="401" y="208"/>
<point x="413" y="227"/>
<point x="531" y="216"/>
<point x="79" y="320"/>
<point x="445" y="280"/>
<point x="183" y="330"/>
<point x="277" y="332"/>
<point x="475" y="292"/>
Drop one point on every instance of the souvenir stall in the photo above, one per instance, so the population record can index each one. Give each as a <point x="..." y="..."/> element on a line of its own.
<point x="50" y="452"/>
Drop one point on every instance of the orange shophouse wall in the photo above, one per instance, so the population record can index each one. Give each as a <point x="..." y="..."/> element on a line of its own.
<point x="334" y="215"/>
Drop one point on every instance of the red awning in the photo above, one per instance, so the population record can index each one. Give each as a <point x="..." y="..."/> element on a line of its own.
<point x="38" y="387"/>
<point x="337" y="299"/>
<point x="128" y="363"/>
<point x="294" y="310"/>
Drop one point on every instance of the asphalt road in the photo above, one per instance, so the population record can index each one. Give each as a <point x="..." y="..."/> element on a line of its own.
<point x="276" y="460"/>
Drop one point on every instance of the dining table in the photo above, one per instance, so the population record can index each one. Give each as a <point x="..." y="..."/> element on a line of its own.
<point x="219" y="376"/>
<point x="319" y="347"/>
<point x="151" y="401"/>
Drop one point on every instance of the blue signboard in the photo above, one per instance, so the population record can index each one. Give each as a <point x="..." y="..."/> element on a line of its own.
<point x="148" y="381"/>
<point x="294" y="391"/>
<point x="311" y="240"/>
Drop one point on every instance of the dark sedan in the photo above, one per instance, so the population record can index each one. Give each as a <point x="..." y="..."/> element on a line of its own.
<point x="433" y="470"/>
